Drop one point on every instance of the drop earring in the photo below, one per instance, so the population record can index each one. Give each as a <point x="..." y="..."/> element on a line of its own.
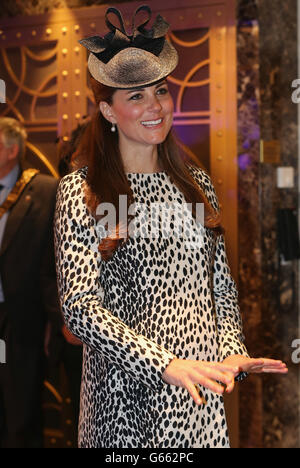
<point x="113" y="127"/>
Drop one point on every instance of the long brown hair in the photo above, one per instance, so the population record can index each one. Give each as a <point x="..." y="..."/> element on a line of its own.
<point x="106" y="179"/>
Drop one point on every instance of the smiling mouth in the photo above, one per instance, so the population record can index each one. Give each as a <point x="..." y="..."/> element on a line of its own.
<point x="152" y="123"/>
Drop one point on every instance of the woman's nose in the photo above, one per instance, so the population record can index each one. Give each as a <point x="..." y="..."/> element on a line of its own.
<point x="154" y="104"/>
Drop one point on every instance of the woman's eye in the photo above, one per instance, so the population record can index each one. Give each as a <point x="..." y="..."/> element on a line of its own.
<point x="162" y="91"/>
<point x="135" y="97"/>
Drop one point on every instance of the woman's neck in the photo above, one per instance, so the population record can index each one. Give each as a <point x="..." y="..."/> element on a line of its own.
<point x="140" y="159"/>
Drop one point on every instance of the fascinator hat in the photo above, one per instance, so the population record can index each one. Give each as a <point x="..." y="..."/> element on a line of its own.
<point x="127" y="61"/>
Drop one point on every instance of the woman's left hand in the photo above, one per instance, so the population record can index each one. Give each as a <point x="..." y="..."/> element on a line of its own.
<point x="256" y="366"/>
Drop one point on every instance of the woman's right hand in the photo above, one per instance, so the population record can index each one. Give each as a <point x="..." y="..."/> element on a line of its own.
<point x="187" y="373"/>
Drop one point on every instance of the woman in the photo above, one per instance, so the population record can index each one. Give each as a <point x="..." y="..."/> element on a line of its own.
<point x="158" y="315"/>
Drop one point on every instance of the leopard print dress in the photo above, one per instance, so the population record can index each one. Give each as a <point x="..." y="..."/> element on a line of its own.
<point x="157" y="298"/>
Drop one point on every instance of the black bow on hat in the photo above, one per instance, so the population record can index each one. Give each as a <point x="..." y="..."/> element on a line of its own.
<point x="151" y="40"/>
<point x="144" y="42"/>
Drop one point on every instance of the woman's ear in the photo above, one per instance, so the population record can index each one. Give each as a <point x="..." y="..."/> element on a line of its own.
<point x="106" y="111"/>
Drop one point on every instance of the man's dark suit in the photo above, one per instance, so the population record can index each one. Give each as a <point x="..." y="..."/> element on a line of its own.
<point x="28" y="277"/>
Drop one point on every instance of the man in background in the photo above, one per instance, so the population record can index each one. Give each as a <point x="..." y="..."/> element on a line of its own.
<point x="28" y="289"/>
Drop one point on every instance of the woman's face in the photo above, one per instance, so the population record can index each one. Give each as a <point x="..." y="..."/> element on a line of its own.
<point x="142" y="115"/>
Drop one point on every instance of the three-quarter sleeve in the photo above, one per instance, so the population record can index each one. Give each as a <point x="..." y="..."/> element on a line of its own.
<point x="78" y="264"/>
